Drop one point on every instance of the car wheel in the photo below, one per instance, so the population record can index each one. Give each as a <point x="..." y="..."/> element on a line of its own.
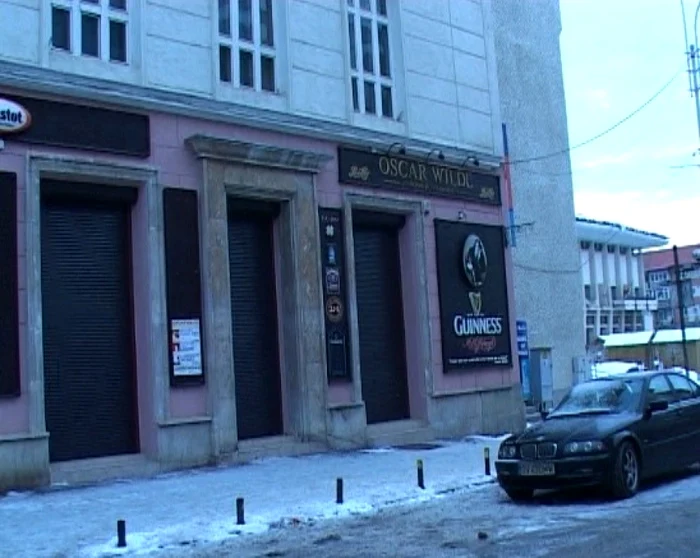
<point x="520" y="494"/>
<point x="625" y="482"/>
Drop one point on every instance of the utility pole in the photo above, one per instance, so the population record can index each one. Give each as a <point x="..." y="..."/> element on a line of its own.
<point x="692" y="54"/>
<point x="681" y="307"/>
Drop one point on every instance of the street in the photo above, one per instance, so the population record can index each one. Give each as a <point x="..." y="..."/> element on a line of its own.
<point x="660" y="521"/>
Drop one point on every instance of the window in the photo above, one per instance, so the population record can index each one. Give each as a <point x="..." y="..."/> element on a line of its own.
<point x="683" y="387"/>
<point x="664" y="293"/>
<point x="91" y="28"/>
<point x="660" y="389"/>
<point x="658" y="276"/>
<point x="247" y="44"/>
<point x="370" y="57"/>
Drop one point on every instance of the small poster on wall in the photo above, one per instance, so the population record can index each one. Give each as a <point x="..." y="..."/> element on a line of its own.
<point x="186" y="347"/>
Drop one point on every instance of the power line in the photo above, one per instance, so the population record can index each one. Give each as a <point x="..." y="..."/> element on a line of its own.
<point x="604" y="132"/>
<point x="578" y="171"/>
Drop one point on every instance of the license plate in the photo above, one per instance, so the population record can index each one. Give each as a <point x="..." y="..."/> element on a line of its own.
<point x="536" y="469"/>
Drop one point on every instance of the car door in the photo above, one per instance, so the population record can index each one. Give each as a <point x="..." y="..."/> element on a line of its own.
<point x="661" y="431"/>
<point x="688" y="395"/>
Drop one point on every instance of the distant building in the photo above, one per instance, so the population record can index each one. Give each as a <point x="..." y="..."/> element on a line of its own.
<point x="652" y="347"/>
<point x="661" y="278"/>
<point x="614" y="284"/>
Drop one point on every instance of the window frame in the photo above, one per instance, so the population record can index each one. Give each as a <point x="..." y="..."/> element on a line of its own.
<point x="681" y="394"/>
<point x="235" y="45"/>
<point x="356" y="14"/>
<point x="106" y="14"/>
<point x="673" y="398"/>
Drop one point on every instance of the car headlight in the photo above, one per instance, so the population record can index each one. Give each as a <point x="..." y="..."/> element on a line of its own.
<point x="588" y="446"/>
<point x="507" y="451"/>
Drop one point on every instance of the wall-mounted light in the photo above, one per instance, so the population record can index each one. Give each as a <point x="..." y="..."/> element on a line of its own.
<point x="461" y="215"/>
<point x="440" y="154"/>
<point x="401" y="148"/>
<point x="471" y="160"/>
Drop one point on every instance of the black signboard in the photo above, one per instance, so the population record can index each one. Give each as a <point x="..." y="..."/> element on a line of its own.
<point x="334" y="299"/>
<point x="9" y="303"/>
<point x="417" y="176"/>
<point x="473" y="296"/>
<point x="80" y="126"/>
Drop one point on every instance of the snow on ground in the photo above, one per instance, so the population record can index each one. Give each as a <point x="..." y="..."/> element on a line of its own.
<point x="177" y="509"/>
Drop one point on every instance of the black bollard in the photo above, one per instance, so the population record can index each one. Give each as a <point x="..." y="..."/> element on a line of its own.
<point x="421" y="480"/>
<point x="487" y="462"/>
<point x="240" y="512"/>
<point x="121" y="533"/>
<point x="338" y="491"/>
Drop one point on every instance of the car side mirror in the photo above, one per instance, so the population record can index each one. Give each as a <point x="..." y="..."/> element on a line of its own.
<point x="656" y="406"/>
<point x="544" y="413"/>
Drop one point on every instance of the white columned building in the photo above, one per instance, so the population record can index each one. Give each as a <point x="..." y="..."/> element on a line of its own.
<point x="615" y="295"/>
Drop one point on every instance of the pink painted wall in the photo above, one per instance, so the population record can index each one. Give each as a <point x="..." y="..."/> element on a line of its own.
<point x="330" y="194"/>
<point x="410" y="290"/>
<point x="14" y="413"/>
<point x="177" y="167"/>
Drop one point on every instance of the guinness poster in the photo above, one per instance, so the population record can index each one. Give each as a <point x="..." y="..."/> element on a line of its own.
<point x="473" y="296"/>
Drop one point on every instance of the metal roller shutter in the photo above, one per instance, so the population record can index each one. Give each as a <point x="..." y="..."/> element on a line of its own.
<point x="380" y="321"/>
<point x="89" y="370"/>
<point x="254" y="316"/>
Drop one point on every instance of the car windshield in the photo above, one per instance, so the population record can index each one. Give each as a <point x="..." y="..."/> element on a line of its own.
<point x="601" y="396"/>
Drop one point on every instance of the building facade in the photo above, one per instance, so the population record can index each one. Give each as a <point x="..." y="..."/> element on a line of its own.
<point x="546" y="273"/>
<point x="245" y="228"/>
<point x="615" y="292"/>
<point x="663" y="279"/>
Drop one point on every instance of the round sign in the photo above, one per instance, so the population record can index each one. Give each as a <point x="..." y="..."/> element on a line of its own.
<point x="13" y="117"/>
<point x="334" y="309"/>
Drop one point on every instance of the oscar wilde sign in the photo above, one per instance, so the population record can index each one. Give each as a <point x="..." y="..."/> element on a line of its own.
<point x="416" y="176"/>
<point x="473" y="296"/>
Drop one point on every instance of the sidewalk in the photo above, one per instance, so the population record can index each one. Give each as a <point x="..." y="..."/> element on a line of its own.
<point x="177" y="509"/>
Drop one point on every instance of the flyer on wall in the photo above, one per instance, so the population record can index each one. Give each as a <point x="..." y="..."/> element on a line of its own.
<point x="186" y="348"/>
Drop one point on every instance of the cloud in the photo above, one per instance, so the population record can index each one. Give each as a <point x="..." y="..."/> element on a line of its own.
<point x="627" y="157"/>
<point x="660" y="212"/>
<point x="600" y="98"/>
<point x="639" y="155"/>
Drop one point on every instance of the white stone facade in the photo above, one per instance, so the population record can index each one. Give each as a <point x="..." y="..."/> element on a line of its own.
<point x="442" y="65"/>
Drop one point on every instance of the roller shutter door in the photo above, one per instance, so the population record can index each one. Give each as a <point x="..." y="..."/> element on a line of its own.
<point x="254" y="317"/>
<point x="89" y="372"/>
<point x="380" y="319"/>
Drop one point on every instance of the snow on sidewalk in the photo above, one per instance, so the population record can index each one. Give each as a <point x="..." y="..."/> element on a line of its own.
<point x="200" y="505"/>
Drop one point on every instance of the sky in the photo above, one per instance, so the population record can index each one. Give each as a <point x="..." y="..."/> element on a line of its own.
<point x="616" y="54"/>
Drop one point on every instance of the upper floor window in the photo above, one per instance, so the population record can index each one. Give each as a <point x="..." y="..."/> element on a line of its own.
<point x="247" y="44"/>
<point x="663" y="293"/>
<point x="91" y="28"/>
<point x="370" y="58"/>
<point x="658" y="276"/>
<point x="690" y="274"/>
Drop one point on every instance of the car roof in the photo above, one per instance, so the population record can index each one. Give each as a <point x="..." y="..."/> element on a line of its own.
<point x="641" y="374"/>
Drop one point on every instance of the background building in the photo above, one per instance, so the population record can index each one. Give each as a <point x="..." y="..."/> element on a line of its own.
<point x="649" y="348"/>
<point x="546" y="270"/>
<point x="614" y="287"/>
<point x="217" y="218"/>
<point x="661" y="277"/>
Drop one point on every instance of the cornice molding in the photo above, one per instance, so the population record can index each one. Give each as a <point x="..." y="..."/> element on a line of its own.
<point x="26" y="78"/>
<point x="235" y="151"/>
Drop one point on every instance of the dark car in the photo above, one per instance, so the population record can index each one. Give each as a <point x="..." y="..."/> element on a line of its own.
<point x="612" y="431"/>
